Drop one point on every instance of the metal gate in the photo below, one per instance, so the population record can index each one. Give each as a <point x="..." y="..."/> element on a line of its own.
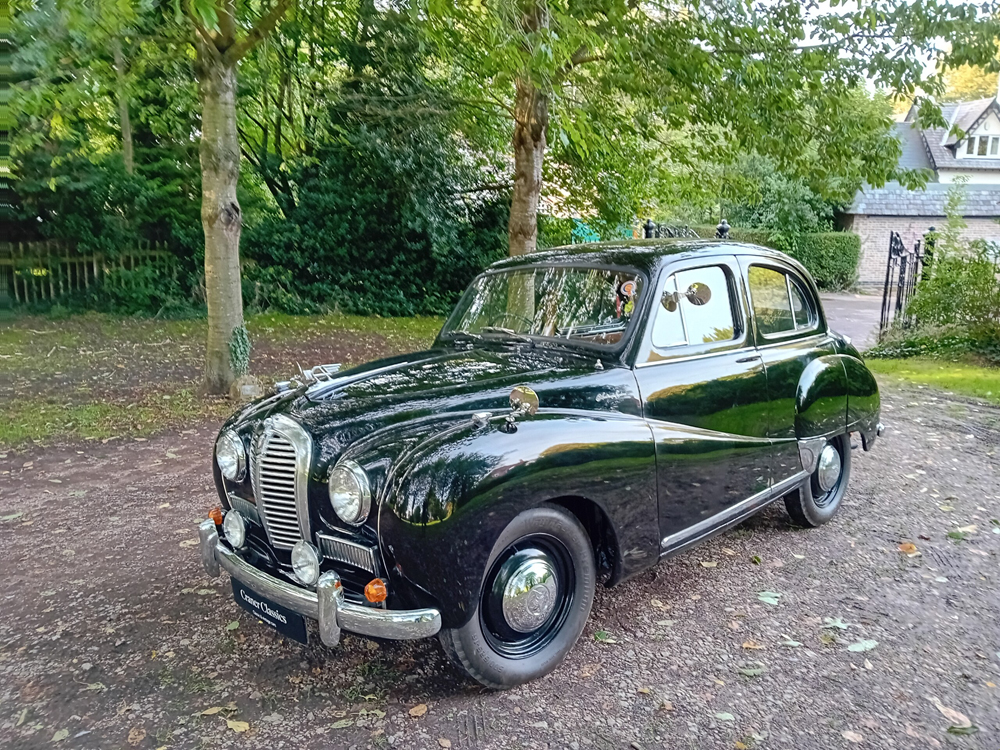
<point x="902" y="272"/>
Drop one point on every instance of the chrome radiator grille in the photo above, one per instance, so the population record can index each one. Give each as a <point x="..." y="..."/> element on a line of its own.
<point x="280" y="473"/>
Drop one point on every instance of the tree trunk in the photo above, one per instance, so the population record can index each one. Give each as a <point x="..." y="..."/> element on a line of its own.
<point x="126" y="123"/>
<point x="531" y="118"/>
<point x="220" y="214"/>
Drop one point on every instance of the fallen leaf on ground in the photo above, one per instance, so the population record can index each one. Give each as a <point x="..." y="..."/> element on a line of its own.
<point x="136" y="735"/>
<point x="667" y="706"/>
<point x="908" y="548"/>
<point x="443" y="742"/>
<point x="644" y="690"/>
<point x="769" y="597"/>
<point x="755" y="670"/>
<point x="968" y="529"/>
<point x="723" y="716"/>
<point x="418" y="710"/>
<point x="211" y="711"/>
<point x="233" y="625"/>
<point x="957" y="718"/>
<point x="965" y="731"/>
<point x="342" y="724"/>
<point x="835" y="622"/>
<point x="589" y="670"/>
<point x="60" y="735"/>
<point x="752" y="645"/>
<point x="862" y="645"/>
<point x="709" y="564"/>
<point x="855" y="737"/>
<point x="238" y="726"/>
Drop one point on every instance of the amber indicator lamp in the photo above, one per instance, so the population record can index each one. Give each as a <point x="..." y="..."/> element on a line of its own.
<point x="216" y="515"/>
<point x="376" y="591"/>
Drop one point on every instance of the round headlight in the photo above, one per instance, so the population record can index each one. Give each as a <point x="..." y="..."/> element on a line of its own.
<point x="305" y="562"/>
<point x="231" y="456"/>
<point x="235" y="529"/>
<point x="350" y="492"/>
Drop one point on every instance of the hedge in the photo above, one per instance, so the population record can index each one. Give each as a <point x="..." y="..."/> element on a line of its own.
<point x="831" y="257"/>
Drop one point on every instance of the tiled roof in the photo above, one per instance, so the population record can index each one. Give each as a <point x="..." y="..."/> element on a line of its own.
<point x="940" y="142"/>
<point x="914" y="154"/>
<point x="895" y="200"/>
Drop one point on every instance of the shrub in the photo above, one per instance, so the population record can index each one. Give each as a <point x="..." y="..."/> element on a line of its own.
<point x="831" y="257"/>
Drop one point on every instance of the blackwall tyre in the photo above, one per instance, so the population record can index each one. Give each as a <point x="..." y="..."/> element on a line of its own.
<point x="818" y="500"/>
<point x="537" y="591"/>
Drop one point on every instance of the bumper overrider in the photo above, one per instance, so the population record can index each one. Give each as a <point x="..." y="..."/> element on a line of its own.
<point x="326" y="605"/>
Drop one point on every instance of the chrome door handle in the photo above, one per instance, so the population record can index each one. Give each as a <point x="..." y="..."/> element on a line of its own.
<point x="754" y="358"/>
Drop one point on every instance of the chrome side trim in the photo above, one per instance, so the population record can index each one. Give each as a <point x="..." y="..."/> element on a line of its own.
<point x="326" y="605"/>
<point x="730" y="516"/>
<point x="341" y="550"/>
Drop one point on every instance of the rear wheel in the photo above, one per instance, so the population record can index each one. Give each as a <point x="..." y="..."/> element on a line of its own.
<point x="535" y="599"/>
<point x="818" y="500"/>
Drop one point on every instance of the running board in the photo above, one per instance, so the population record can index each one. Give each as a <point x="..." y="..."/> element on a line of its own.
<point x="728" y="518"/>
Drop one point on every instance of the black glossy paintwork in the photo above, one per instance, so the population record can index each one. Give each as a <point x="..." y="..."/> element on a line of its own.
<point x="651" y="449"/>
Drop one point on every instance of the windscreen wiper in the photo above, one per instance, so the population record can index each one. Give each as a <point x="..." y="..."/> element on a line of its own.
<point x="509" y="333"/>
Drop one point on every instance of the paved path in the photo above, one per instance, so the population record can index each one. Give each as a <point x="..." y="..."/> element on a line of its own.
<point x="111" y="635"/>
<point x="854" y="315"/>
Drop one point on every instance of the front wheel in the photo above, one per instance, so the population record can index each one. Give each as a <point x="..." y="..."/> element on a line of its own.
<point x="535" y="600"/>
<point x="816" y="501"/>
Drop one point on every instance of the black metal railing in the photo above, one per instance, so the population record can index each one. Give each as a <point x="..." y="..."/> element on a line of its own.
<point x="904" y="268"/>
<point x="652" y="230"/>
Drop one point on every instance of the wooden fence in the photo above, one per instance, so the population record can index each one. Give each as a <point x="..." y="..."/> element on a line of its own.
<point x="45" y="271"/>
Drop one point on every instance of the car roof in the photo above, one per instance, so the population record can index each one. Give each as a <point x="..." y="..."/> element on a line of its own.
<point x="644" y="255"/>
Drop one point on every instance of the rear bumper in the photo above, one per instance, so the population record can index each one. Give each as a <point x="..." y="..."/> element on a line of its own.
<point x="326" y="605"/>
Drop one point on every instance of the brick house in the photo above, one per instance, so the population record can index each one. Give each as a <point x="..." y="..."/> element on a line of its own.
<point x="875" y="212"/>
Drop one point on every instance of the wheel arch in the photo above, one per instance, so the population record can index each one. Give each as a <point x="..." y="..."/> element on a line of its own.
<point x="600" y="529"/>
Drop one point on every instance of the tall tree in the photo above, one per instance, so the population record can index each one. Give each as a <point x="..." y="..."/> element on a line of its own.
<point x="745" y="76"/>
<point x="220" y="47"/>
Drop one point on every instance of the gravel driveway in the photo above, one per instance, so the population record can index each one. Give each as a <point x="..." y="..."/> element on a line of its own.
<point x="112" y="637"/>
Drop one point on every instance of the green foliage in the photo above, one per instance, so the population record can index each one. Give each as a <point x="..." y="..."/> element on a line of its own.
<point x="831" y="257"/>
<point x="376" y="229"/>
<point x="939" y="342"/>
<point x="239" y="351"/>
<point x="958" y="287"/>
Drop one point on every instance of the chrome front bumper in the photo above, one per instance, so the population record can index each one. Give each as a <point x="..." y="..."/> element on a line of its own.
<point x="326" y="605"/>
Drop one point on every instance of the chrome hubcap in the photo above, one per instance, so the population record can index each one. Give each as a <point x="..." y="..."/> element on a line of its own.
<point x="829" y="468"/>
<point x="531" y="592"/>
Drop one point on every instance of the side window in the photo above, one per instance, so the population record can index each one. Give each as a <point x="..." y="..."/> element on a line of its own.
<point x="780" y="304"/>
<point x="695" y="308"/>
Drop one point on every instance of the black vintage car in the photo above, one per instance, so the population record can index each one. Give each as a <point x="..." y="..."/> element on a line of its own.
<point x="583" y="413"/>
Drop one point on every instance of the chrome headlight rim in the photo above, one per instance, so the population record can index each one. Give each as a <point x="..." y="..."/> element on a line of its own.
<point x="234" y="526"/>
<point x="354" y="471"/>
<point x="231" y="440"/>
<point x="302" y="548"/>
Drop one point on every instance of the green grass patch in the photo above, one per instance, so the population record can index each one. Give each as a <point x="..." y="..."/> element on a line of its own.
<point x="39" y="419"/>
<point x="957" y="377"/>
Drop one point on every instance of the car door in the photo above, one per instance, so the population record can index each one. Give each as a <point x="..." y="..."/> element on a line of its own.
<point x="790" y="332"/>
<point x="704" y="396"/>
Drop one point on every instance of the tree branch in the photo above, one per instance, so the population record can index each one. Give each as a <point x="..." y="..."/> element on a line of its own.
<point x="582" y="56"/>
<point x="264" y="26"/>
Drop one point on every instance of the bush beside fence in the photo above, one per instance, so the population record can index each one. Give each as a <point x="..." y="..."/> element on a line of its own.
<point x="831" y="257"/>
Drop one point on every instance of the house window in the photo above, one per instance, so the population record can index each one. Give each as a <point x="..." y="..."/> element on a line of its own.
<point x="983" y="145"/>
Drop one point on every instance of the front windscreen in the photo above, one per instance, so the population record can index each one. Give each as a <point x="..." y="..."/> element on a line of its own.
<point x="574" y="304"/>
